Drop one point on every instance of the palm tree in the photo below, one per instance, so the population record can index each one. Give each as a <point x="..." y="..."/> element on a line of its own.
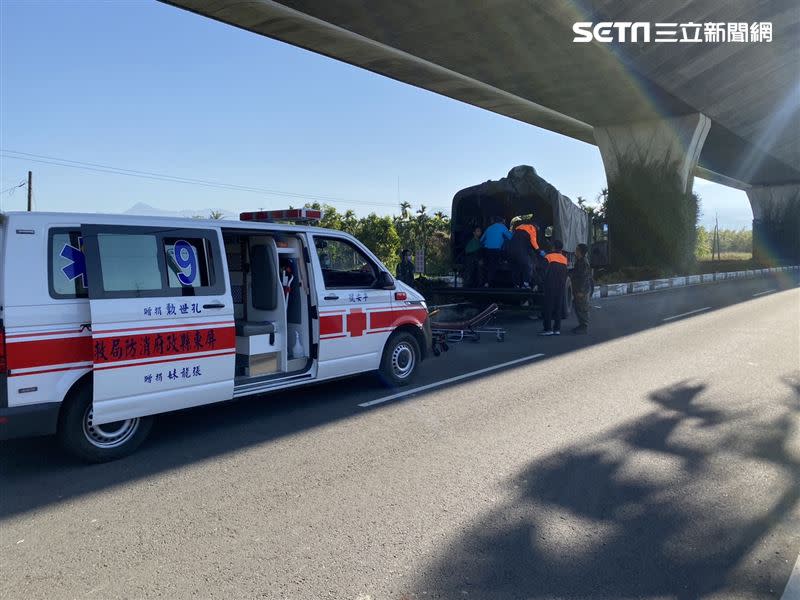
<point x="216" y="215"/>
<point x="404" y="208"/>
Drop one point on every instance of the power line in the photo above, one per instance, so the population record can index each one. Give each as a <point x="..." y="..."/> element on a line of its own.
<point x="148" y="174"/>
<point x="13" y="187"/>
<point x="112" y="170"/>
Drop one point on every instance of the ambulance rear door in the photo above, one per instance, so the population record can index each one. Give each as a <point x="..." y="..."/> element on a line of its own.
<point x="163" y="334"/>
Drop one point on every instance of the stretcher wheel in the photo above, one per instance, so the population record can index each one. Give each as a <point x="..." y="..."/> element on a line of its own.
<point x="501" y="336"/>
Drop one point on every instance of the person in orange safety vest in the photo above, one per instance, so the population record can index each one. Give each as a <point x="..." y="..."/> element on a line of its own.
<point x="536" y="266"/>
<point x="530" y="228"/>
<point x="555" y="283"/>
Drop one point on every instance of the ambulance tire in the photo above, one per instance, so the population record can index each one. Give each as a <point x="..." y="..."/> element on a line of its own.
<point x="400" y="360"/>
<point x="97" y="443"/>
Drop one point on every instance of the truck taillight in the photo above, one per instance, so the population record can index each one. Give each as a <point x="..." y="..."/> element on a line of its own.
<point x="2" y="350"/>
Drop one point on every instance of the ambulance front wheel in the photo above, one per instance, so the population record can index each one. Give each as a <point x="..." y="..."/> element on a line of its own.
<point x="400" y="360"/>
<point x="81" y="436"/>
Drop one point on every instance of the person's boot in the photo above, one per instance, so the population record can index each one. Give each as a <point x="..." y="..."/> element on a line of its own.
<point x="580" y="329"/>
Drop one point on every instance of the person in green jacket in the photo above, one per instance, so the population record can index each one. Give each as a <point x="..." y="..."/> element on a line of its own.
<point x="473" y="260"/>
<point x="581" y="276"/>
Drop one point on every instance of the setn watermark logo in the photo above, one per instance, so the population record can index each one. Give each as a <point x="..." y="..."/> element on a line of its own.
<point x="644" y="31"/>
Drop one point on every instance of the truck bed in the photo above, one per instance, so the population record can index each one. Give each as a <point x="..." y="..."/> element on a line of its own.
<point x="506" y="296"/>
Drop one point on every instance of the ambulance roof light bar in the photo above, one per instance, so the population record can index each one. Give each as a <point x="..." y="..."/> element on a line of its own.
<point x="291" y="215"/>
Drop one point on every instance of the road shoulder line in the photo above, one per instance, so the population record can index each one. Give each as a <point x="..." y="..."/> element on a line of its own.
<point x="444" y="382"/>
<point x="686" y="314"/>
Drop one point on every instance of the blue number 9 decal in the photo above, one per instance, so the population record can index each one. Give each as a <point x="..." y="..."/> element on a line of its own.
<point x="184" y="256"/>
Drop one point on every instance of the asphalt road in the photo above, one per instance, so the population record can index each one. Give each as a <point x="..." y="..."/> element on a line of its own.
<point x="657" y="457"/>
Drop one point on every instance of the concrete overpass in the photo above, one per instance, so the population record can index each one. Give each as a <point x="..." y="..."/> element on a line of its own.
<point x="729" y="112"/>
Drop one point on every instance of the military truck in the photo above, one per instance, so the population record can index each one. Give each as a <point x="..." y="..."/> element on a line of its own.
<point x="521" y="193"/>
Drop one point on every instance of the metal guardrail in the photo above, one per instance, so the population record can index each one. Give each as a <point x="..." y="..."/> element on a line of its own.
<point x="653" y="285"/>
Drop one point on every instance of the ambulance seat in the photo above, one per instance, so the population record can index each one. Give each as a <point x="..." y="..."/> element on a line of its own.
<point x="249" y="328"/>
<point x="263" y="278"/>
<point x="263" y="292"/>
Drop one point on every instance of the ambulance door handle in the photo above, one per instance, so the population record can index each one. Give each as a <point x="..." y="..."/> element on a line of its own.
<point x="215" y="305"/>
<point x="331" y="297"/>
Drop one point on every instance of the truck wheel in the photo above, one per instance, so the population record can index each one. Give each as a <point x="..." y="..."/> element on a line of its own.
<point x="98" y="443"/>
<point x="400" y="360"/>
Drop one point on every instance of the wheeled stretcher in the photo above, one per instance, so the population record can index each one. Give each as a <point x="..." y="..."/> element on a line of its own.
<point x="445" y="332"/>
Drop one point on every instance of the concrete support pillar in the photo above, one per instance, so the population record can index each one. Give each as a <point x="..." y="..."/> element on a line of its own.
<point x="679" y="139"/>
<point x="776" y="222"/>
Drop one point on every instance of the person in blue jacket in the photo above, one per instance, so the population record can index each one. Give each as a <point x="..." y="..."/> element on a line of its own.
<point x="492" y="241"/>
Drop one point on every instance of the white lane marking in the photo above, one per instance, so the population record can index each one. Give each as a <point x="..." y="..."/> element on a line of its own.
<point x="764" y="292"/>
<point x="792" y="590"/>
<point x="436" y="384"/>
<point x="686" y="314"/>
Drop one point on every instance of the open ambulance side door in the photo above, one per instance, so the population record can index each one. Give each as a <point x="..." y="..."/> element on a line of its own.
<point x="163" y="334"/>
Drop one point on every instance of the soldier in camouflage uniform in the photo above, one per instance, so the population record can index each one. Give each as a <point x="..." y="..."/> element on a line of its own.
<point x="581" y="276"/>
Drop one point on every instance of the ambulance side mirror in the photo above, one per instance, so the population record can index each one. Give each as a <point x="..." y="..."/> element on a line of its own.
<point x="385" y="281"/>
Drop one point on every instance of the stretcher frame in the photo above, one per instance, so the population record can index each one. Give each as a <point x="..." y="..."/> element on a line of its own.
<point x="445" y="332"/>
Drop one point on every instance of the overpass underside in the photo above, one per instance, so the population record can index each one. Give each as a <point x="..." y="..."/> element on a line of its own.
<point x="726" y="111"/>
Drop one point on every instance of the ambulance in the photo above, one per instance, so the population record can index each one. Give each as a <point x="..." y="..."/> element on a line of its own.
<point x="106" y="321"/>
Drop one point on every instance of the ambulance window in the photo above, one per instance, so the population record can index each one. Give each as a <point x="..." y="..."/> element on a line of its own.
<point x="344" y="265"/>
<point x="188" y="263"/>
<point x="129" y="262"/>
<point x="67" y="276"/>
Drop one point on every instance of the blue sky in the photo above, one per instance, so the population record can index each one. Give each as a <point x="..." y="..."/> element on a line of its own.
<point x="140" y="85"/>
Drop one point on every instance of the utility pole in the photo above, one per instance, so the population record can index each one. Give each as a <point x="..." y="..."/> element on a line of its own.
<point x="30" y="191"/>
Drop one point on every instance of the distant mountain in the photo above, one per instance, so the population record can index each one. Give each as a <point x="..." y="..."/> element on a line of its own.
<point x="142" y="209"/>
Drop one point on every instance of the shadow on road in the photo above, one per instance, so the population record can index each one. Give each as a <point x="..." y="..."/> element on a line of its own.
<point x="667" y="505"/>
<point x="35" y="472"/>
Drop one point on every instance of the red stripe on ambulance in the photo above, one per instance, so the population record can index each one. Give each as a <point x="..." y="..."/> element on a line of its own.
<point x="330" y="324"/>
<point x="154" y="345"/>
<point x="45" y="353"/>
<point x="385" y="319"/>
<point x="57" y="352"/>
<point x="194" y="356"/>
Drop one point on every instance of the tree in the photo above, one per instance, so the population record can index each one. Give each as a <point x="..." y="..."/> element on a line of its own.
<point x="216" y="215"/>
<point x="703" y="245"/>
<point x="651" y="217"/>
<point x="386" y="236"/>
<point x="331" y="219"/>
<point x="350" y="223"/>
<point x="597" y="210"/>
<point x="379" y="235"/>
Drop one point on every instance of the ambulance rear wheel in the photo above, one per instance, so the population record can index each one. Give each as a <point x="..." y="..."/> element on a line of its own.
<point x="400" y="360"/>
<point x="92" y="442"/>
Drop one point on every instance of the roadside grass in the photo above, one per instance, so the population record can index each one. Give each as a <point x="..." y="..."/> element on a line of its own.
<point x="729" y="256"/>
<point x="731" y="261"/>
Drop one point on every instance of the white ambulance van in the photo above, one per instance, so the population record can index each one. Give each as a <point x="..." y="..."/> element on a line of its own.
<point x="108" y="320"/>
